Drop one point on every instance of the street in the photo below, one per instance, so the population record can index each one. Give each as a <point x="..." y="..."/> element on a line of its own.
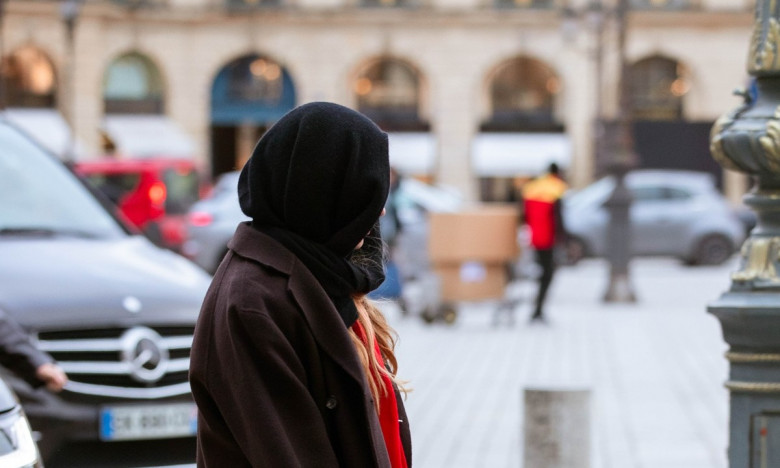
<point x="137" y="134"/>
<point x="655" y="369"/>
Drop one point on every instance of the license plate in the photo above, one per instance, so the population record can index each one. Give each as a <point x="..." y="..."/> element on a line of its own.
<point x="148" y="421"/>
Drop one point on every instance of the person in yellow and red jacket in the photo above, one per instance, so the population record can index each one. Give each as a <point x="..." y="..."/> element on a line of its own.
<point x="542" y="213"/>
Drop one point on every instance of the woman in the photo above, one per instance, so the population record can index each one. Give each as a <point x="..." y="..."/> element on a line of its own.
<point x="291" y="366"/>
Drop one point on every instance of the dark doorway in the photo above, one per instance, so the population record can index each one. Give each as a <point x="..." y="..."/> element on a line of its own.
<point x="231" y="146"/>
<point x="248" y="95"/>
<point x="223" y="142"/>
<point x="667" y="144"/>
<point x="676" y="145"/>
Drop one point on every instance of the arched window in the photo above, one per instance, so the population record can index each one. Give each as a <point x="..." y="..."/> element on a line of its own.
<point x="522" y="97"/>
<point x="658" y="85"/>
<point x="255" y="79"/>
<point x="133" y="85"/>
<point x="525" y="3"/>
<point x="388" y="91"/>
<point x="245" y="4"/>
<point x="29" y="79"/>
<point x="660" y="4"/>
<point x="388" y="3"/>
<point x="252" y="88"/>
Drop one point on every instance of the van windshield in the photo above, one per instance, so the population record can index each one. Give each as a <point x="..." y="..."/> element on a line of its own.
<point x="38" y="196"/>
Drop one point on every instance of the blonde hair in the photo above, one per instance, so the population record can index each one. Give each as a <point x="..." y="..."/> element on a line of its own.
<point x="377" y="330"/>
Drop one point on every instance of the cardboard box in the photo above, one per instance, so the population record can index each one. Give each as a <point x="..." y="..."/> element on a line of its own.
<point x="486" y="233"/>
<point x="471" y="281"/>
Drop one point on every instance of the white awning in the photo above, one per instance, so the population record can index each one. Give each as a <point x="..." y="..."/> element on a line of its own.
<point x="143" y="136"/>
<point x="412" y="153"/>
<point x="512" y="154"/>
<point x="47" y="127"/>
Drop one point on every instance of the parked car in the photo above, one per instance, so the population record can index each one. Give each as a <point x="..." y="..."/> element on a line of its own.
<point x="211" y="222"/>
<point x="674" y="213"/>
<point x="153" y="194"/>
<point x="748" y="217"/>
<point x="114" y="310"/>
<point x="17" y="446"/>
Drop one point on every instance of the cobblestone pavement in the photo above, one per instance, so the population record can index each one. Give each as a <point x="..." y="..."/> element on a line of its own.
<point x="655" y="370"/>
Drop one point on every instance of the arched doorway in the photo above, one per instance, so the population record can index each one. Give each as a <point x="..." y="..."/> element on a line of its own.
<point x="389" y="91"/>
<point x="663" y="137"/>
<point x="522" y="132"/>
<point x="248" y="95"/>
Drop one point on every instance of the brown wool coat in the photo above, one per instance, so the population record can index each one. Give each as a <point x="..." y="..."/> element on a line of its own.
<point x="274" y="373"/>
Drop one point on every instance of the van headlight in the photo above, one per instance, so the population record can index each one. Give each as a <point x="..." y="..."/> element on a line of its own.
<point x="17" y="446"/>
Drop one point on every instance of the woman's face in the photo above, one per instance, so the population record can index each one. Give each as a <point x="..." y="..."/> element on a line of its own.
<point x="362" y="241"/>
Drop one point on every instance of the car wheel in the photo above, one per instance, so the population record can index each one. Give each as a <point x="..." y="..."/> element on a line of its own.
<point x="713" y="249"/>
<point x="575" y="251"/>
<point x="448" y="314"/>
<point x="428" y="315"/>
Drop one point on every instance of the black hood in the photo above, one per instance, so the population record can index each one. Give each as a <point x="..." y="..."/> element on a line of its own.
<point x="321" y="172"/>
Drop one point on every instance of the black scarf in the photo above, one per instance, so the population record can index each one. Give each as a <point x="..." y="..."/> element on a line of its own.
<point x="317" y="182"/>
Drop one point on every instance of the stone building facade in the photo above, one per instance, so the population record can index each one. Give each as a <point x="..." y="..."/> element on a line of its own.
<point x="474" y="93"/>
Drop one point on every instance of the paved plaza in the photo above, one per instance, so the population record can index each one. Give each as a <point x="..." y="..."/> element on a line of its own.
<point x="655" y="370"/>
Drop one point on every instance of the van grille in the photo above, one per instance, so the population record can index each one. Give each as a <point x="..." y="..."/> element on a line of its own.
<point x="138" y="362"/>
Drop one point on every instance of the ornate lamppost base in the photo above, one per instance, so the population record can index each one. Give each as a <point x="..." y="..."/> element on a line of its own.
<point x="748" y="140"/>
<point x="751" y="324"/>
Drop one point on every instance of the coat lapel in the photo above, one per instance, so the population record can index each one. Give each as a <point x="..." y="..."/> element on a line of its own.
<point x="332" y="336"/>
<point x="326" y="325"/>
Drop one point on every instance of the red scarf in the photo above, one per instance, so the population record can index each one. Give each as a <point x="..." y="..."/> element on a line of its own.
<point x="388" y="408"/>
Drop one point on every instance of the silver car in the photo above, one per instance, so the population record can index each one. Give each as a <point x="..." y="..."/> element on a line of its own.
<point x="674" y="213"/>
<point x="211" y="223"/>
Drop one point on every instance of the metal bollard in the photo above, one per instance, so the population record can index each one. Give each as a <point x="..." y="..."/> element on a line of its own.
<point x="557" y="428"/>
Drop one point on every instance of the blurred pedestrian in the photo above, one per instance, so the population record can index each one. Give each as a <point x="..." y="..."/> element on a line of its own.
<point x="390" y="223"/>
<point x="542" y="213"/>
<point x="390" y="227"/>
<point x="291" y="364"/>
<point x="21" y="356"/>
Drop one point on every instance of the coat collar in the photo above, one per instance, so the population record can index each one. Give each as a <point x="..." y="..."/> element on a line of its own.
<point x="318" y="310"/>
